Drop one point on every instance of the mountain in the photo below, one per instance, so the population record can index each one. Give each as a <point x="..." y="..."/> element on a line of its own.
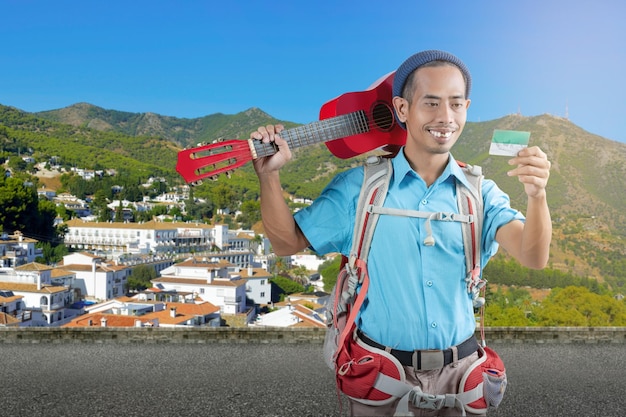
<point x="586" y="191"/>
<point x="184" y="132"/>
<point x="24" y="134"/>
<point x="586" y="168"/>
<point x="588" y="176"/>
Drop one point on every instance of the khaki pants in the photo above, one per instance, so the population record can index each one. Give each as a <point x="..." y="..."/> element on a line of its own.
<point x="437" y="381"/>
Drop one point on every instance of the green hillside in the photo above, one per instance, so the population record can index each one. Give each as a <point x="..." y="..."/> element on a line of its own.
<point x="586" y="189"/>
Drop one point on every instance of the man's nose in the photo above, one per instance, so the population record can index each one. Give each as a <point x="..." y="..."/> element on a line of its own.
<point x="444" y="114"/>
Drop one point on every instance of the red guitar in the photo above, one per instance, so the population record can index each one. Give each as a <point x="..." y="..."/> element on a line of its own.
<point x="350" y="125"/>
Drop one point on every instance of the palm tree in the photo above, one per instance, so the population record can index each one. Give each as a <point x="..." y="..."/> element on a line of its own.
<point x="300" y="275"/>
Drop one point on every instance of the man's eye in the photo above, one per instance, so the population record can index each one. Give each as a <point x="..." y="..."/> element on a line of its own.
<point x="431" y="104"/>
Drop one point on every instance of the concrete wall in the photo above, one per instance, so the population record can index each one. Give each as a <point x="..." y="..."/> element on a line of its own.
<point x="281" y="335"/>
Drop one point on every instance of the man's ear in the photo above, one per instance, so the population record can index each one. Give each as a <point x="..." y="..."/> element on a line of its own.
<point x="401" y="105"/>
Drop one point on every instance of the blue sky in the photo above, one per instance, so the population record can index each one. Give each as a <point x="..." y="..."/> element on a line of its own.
<point x="189" y="58"/>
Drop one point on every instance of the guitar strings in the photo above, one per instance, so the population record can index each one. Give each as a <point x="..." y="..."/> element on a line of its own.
<point x="326" y="130"/>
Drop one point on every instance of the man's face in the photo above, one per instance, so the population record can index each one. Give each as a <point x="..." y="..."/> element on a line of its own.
<point x="438" y="110"/>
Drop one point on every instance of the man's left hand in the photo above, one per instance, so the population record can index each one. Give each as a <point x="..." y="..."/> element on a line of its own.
<point x="533" y="170"/>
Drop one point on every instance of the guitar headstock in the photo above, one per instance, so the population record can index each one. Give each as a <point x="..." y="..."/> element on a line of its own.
<point x="211" y="160"/>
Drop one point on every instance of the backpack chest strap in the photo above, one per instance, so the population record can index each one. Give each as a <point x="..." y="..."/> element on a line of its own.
<point x="440" y="216"/>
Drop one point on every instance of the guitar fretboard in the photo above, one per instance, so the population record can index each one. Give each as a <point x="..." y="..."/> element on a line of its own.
<point x="318" y="132"/>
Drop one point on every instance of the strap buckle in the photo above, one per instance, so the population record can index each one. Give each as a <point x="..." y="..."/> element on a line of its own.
<point x="426" y="401"/>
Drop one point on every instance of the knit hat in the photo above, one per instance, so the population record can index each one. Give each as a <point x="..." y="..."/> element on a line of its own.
<point x="422" y="58"/>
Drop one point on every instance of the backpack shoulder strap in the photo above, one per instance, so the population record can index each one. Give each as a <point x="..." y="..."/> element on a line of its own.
<point x="470" y="201"/>
<point x="376" y="177"/>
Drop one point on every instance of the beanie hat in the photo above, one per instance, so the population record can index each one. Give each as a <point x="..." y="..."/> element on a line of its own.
<point x="422" y="58"/>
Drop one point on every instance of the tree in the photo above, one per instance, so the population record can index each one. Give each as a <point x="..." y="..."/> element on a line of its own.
<point x="250" y="213"/>
<point x="300" y="275"/>
<point x="286" y="285"/>
<point x="119" y="210"/>
<point x="223" y="196"/>
<point x="19" y="206"/>
<point x="329" y="271"/>
<point x="52" y="254"/>
<point x="43" y="223"/>
<point x="141" y="278"/>
<point x="577" y="306"/>
<point x="99" y="206"/>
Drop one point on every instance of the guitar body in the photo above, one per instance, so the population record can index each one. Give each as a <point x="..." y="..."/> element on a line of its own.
<point x="376" y="103"/>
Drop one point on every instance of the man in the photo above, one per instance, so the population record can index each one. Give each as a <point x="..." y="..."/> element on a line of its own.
<point x="417" y="298"/>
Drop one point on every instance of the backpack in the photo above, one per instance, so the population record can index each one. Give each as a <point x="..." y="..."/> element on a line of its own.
<point x="345" y="303"/>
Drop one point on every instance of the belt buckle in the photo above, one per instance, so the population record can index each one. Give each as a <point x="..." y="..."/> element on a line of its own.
<point x="428" y="359"/>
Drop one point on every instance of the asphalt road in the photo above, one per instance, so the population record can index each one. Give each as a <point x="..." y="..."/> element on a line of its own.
<point x="273" y="380"/>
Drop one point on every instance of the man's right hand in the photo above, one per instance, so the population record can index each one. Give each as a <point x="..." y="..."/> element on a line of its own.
<point x="269" y="164"/>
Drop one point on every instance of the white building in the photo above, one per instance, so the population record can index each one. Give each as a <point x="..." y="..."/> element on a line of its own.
<point x="139" y="238"/>
<point x="166" y="239"/>
<point x="12" y="311"/>
<point x="17" y="250"/>
<point x="258" y="286"/>
<point x="209" y="280"/>
<point x="308" y="260"/>
<point x="95" y="279"/>
<point x="46" y="303"/>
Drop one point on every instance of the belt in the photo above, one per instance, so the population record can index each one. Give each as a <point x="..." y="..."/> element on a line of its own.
<point x="426" y="359"/>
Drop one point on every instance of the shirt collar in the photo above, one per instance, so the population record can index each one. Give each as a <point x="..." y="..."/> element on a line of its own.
<point x="401" y="169"/>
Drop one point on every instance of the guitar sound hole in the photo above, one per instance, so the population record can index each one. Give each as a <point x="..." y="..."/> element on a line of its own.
<point x="383" y="117"/>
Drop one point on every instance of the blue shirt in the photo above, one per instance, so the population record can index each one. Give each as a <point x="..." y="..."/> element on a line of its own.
<point x="417" y="298"/>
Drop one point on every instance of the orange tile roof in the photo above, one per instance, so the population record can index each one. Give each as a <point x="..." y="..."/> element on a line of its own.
<point x="165" y="317"/>
<point x="60" y="272"/>
<point x="33" y="266"/>
<point x="7" y="319"/>
<point x="149" y="225"/>
<point x="113" y="320"/>
<point x="218" y="282"/>
<point x="307" y="316"/>
<point x="256" y="273"/>
<point x="22" y="287"/>
<point x="204" y="263"/>
<point x="199" y="309"/>
<point x="9" y="299"/>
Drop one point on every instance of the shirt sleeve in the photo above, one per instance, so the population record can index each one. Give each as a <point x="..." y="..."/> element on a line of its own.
<point x="498" y="212"/>
<point x="328" y="222"/>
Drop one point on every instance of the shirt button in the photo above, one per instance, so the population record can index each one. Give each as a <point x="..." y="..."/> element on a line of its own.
<point x="429" y="283"/>
<point x="424" y="202"/>
<point x="433" y="324"/>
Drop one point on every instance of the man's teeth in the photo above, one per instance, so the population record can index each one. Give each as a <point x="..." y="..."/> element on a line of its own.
<point x="440" y="134"/>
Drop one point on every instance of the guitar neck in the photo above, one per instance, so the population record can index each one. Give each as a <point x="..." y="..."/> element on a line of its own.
<point x="317" y="132"/>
